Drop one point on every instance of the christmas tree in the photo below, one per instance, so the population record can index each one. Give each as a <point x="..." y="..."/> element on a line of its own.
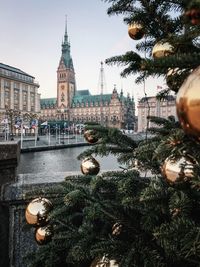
<point x="125" y="218"/>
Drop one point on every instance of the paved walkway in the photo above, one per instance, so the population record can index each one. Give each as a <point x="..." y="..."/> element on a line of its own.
<point x="46" y="140"/>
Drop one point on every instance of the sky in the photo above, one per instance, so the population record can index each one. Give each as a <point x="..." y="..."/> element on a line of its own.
<point x="32" y="33"/>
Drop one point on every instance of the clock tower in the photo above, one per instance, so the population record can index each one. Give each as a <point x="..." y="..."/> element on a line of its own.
<point x="66" y="84"/>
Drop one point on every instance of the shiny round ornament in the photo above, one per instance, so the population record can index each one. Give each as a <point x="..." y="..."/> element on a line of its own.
<point x="193" y="15"/>
<point x="188" y="104"/>
<point x="43" y="235"/>
<point x="104" y="262"/>
<point x="91" y="136"/>
<point x="90" y="166"/>
<point x="135" y="31"/>
<point x="178" y="170"/>
<point x="162" y="49"/>
<point x="37" y="211"/>
<point x="116" y="229"/>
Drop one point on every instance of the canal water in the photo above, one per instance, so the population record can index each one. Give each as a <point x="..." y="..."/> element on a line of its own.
<point x="60" y="160"/>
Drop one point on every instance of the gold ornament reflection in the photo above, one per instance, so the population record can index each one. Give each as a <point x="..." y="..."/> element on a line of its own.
<point x="162" y="49"/>
<point x="91" y="136"/>
<point x="116" y="229"/>
<point x="43" y="235"/>
<point x="178" y="170"/>
<point x="104" y="262"/>
<point x="135" y="31"/>
<point x="90" y="166"/>
<point x="37" y="211"/>
<point x="188" y="104"/>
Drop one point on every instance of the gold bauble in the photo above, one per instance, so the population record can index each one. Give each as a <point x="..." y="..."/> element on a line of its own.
<point x="104" y="262"/>
<point x="91" y="136"/>
<point x="188" y="104"/>
<point x="37" y="211"/>
<point x="43" y="235"/>
<point x="90" y="166"/>
<point x="178" y="170"/>
<point x="116" y="229"/>
<point x="162" y="49"/>
<point x="135" y="31"/>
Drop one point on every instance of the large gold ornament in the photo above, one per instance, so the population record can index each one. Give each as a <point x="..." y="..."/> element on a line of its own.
<point x="91" y="136"/>
<point x="37" y="211"/>
<point x="104" y="262"/>
<point x="188" y="104"/>
<point x="43" y="235"/>
<point x="90" y="166"/>
<point x="135" y="31"/>
<point x="162" y="49"/>
<point x="178" y="170"/>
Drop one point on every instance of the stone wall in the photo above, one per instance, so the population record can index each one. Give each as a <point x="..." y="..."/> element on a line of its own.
<point x="17" y="238"/>
<point x="22" y="235"/>
<point x="9" y="158"/>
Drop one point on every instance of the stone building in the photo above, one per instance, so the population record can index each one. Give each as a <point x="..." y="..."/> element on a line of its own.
<point x="18" y="92"/>
<point x="151" y="106"/>
<point x="72" y="106"/>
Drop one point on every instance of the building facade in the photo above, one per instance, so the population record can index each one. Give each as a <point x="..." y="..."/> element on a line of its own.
<point x="18" y="92"/>
<point x="151" y="106"/>
<point x="74" y="106"/>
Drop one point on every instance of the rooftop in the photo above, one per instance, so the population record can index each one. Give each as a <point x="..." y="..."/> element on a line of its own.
<point x="10" y="68"/>
<point x="166" y="98"/>
<point x="48" y="101"/>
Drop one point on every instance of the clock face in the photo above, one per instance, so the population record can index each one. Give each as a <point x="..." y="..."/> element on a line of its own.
<point x="62" y="87"/>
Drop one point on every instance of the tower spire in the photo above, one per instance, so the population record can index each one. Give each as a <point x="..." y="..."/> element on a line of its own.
<point x="66" y="57"/>
<point x="66" y="36"/>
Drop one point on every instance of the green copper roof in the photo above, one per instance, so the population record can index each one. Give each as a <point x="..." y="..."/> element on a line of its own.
<point x="82" y="92"/>
<point x="83" y="97"/>
<point x="48" y="102"/>
<point x="66" y="57"/>
<point x="91" y="98"/>
<point x="7" y="67"/>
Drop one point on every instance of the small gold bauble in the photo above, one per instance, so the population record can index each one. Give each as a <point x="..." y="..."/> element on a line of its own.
<point x="193" y="15"/>
<point x="162" y="49"/>
<point x="104" y="262"/>
<point x="178" y="170"/>
<point x="116" y="229"/>
<point x="37" y="211"/>
<point x="188" y="104"/>
<point x="43" y="235"/>
<point x="135" y="31"/>
<point x="90" y="166"/>
<point x="91" y="136"/>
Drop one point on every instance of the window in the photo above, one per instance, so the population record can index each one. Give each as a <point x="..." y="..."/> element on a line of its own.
<point x="6" y="84"/>
<point x="16" y="86"/>
<point x="16" y="99"/>
<point x="24" y="96"/>
<point x="32" y="100"/>
<point x="24" y="87"/>
<point x="7" y="97"/>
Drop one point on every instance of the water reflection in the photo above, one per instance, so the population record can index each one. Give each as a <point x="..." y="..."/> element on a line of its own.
<point x="62" y="160"/>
